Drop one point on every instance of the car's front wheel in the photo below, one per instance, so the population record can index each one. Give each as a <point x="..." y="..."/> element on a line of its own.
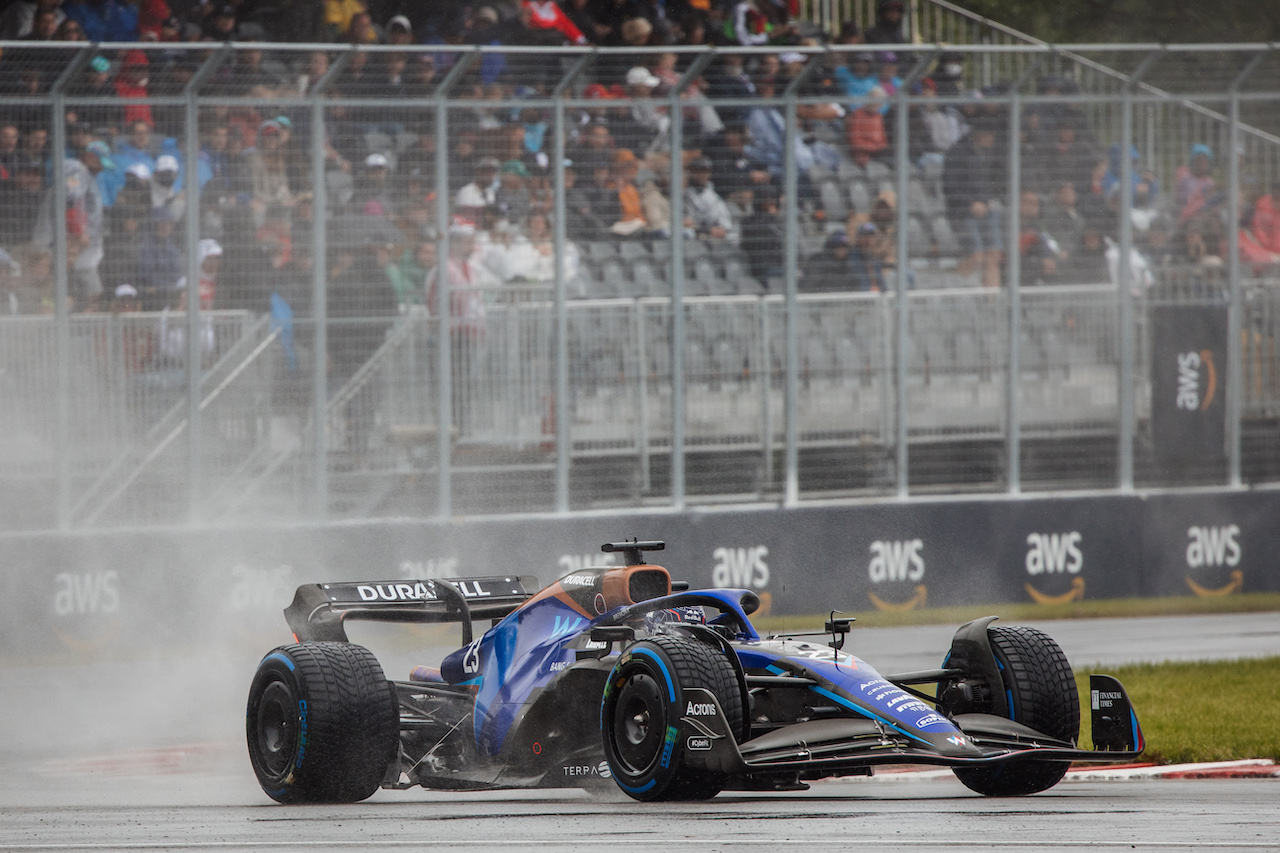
<point x="322" y="723"/>
<point x="1040" y="690"/>
<point x="642" y="709"/>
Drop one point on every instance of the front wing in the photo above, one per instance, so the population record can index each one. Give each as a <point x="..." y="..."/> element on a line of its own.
<point x="853" y="744"/>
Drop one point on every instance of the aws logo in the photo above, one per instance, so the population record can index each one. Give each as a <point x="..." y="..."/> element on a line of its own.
<point x="87" y="607"/>
<point x="1215" y="548"/>
<point x="1055" y="554"/>
<point x="743" y="568"/>
<point x="573" y="563"/>
<point x="1190" y="366"/>
<point x="897" y="561"/>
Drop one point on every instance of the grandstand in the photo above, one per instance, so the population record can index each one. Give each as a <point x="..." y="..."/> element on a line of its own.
<point x="818" y="312"/>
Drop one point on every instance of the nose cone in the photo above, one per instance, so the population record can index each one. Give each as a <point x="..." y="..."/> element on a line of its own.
<point x="953" y="744"/>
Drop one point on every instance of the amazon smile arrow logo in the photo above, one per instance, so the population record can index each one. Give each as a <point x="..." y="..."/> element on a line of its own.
<point x="1076" y="593"/>
<point x="1236" y="583"/>
<point x="917" y="600"/>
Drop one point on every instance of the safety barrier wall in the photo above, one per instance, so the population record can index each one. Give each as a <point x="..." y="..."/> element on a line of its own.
<point x="94" y="595"/>
<point x="590" y="357"/>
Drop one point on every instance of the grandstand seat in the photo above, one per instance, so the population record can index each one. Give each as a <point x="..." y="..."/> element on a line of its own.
<point x="849" y="171"/>
<point x="647" y="280"/>
<point x="878" y="172"/>
<point x="833" y="201"/>
<point x="943" y="237"/>
<point x="694" y="249"/>
<point x="600" y="250"/>
<point x="631" y="250"/>
<point x="860" y="197"/>
<point x="613" y="277"/>
<point x="918" y="242"/>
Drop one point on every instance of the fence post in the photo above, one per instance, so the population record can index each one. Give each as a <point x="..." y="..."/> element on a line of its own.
<point x="191" y="201"/>
<point x="564" y="440"/>
<point x="790" y="215"/>
<point x="1235" y="346"/>
<point x="319" y="293"/>
<point x="902" y="255"/>
<point x="61" y="316"/>
<point x="444" y="354"/>
<point x="1126" y="389"/>
<point x="1013" y="227"/>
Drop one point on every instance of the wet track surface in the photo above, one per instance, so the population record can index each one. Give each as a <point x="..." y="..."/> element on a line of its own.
<point x="229" y="813"/>
<point x="150" y="756"/>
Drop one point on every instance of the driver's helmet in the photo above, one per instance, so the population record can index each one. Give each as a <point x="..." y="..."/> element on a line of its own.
<point x="675" y="615"/>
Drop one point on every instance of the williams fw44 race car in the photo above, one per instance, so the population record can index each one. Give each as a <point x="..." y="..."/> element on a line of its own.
<point x="617" y="676"/>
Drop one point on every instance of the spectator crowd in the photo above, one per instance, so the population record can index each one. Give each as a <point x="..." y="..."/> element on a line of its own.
<point x="128" y="177"/>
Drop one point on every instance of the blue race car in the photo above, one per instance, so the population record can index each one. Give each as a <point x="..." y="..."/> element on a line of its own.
<point x="617" y="676"/>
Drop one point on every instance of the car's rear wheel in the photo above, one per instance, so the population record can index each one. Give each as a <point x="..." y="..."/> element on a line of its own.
<point x="1040" y="691"/>
<point x="322" y="723"/>
<point x="641" y="712"/>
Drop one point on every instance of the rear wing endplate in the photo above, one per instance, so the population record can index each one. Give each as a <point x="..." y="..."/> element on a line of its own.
<point x="319" y="610"/>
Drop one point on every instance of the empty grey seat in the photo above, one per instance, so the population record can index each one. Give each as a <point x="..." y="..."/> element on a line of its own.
<point x="646" y="278"/>
<point x="878" y="172"/>
<point x="943" y="237"/>
<point x="600" y="250"/>
<point x="848" y="171"/>
<point x="833" y="201"/>
<point x="630" y="250"/>
<point x="613" y="277"/>
<point x="918" y="242"/>
<point x="860" y="197"/>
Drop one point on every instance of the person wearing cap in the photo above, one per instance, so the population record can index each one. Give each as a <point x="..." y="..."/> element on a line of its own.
<point x="483" y="189"/>
<point x="166" y="187"/>
<point x="868" y="139"/>
<point x="705" y="211"/>
<point x="222" y="23"/>
<point x="828" y="270"/>
<point x="889" y="24"/>
<point x="96" y="155"/>
<point x="1195" y="187"/>
<point x="160" y="261"/>
<point x="95" y="82"/>
<point x="86" y="226"/>
<point x="268" y="175"/>
<point x="399" y="30"/>
<point x="974" y="183"/>
<point x="467" y="317"/>
<point x="644" y="126"/>
<point x="131" y="84"/>
<point x="512" y="196"/>
<point x="140" y="146"/>
<point x="372" y="196"/>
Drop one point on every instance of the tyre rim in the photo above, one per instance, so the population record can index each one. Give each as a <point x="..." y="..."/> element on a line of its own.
<point x="277" y="728"/>
<point x="639" y="723"/>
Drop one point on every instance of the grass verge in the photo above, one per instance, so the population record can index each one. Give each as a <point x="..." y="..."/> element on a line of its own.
<point x="1201" y="711"/>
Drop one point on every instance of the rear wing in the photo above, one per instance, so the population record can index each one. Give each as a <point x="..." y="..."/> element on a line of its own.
<point x="319" y="610"/>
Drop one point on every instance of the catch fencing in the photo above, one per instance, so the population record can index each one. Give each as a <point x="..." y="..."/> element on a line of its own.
<point x="821" y="312"/>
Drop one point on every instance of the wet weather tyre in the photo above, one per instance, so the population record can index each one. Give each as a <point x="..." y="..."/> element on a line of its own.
<point x="322" y="723"/>
<point x="1040" y="690"/>
<point x="641" y="713"/>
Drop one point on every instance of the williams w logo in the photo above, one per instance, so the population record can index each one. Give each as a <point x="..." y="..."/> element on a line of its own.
<point x="566" y="625"/>
<point x="1190" y="366"/>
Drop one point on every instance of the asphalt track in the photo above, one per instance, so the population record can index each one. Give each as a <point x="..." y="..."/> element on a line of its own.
<point x="149" y="756"/>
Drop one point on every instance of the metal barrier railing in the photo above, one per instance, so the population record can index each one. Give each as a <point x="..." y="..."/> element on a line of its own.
<point x="640" y="345"/>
